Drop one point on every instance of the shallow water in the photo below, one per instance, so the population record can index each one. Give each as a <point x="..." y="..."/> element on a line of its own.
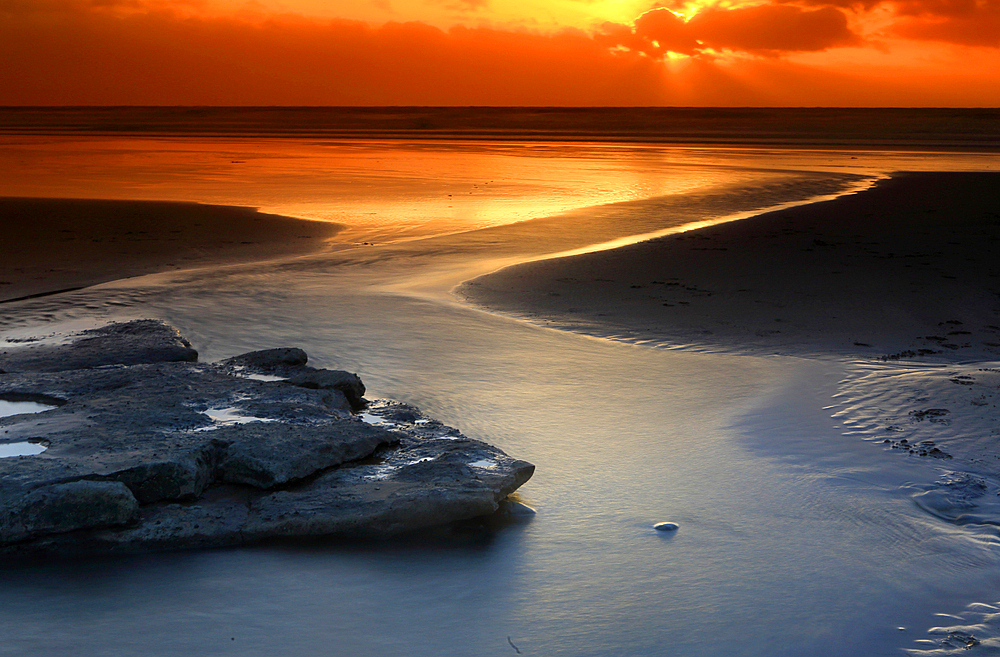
<point x="8" y="408"/>
<point x="391" y="190"/>
<point x="793" y="539"/>
<point x="9" y="450"/>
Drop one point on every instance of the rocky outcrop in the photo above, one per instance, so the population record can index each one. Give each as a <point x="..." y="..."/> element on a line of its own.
<point x="176" y="454"/>
<point x="60" y="508"/>
<point x="126" y="343"/>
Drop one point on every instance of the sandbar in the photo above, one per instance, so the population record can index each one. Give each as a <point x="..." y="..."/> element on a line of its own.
<point x="54" y="245"/>
<point x="908" y="268"/>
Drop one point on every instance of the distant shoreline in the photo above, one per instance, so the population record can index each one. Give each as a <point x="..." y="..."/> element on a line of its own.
<point x="836" y="128"/>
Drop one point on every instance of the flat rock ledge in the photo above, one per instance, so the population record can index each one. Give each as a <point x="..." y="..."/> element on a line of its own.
<point x="147" y="449"/>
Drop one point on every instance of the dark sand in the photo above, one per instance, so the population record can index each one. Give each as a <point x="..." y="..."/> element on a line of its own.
<point x="911" y="266"/>
<point x="50" y="245"/>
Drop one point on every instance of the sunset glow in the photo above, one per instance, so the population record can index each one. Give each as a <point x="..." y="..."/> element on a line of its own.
<point x="501" y="52"/>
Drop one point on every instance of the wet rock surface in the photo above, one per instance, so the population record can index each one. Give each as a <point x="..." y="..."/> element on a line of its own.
<point x="125" y="343"/>
<point x="177" y="454"/>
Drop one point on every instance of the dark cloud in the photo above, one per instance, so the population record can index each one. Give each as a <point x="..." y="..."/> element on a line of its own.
<point x="787" y="26"/>
<point x="981" y="28"/>
<point x="938" y="7"/>
<point x="14" y="8"/>
<point x="668" y="31"/>
<point x="964" y="22"/>
<point x="855" y="5"/>
<point x="773" y="29"/>
<point x="763" y="29"/>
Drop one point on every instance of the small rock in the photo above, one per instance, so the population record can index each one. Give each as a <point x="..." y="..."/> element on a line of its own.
<point x="269" y="359"/>
<point x="346" y="382"/>
<point x="666" y="526"/>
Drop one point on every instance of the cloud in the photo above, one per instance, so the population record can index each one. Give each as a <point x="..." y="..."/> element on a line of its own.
<point x="14" y="8"/>
<point x="773" y="29"/>
<point x="465" y="5"/>
<point x="158" y="58"/>
<point x="962" y="22"/>
<point x="763" y="30"/>
<point x="667" y="30"/>
<point x="76" y="52"/>
<point x="965" y="22"/>
<point x="854" y="5"/>
<point x="22" y="8"/>
<point x="938" y="7"/>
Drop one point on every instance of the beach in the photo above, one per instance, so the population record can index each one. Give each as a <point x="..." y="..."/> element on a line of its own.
<point x="813" y="516"/>
<point x="53" y="245"/>
<point x="910" y="267"/>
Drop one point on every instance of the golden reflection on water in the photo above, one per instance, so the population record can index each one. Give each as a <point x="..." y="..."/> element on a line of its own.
<point x="392" y="190"/>
<point x="379" y="189"/>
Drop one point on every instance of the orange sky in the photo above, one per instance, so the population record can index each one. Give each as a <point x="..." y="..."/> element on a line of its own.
<point x="500" y="52"/>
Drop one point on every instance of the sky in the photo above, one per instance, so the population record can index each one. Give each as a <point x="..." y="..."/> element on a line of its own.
<point x="908" y="53"/>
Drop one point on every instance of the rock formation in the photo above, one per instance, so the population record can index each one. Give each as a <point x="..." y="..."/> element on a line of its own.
<point x="147" y="449"/>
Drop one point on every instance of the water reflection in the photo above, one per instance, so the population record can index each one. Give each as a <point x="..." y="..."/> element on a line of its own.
<point x="8" y="450"/>
<point x="793" y="542"/>
<point x="794" y="537"/>
<point x="16" y="407"/>
<point x="394" y="190"/>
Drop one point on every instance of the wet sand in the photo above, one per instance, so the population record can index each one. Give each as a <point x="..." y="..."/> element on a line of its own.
<point x="909" y="268"/>
<point x="53" y="245"/>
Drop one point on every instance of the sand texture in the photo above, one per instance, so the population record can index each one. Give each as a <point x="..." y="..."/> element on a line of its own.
<point x="50" y="245"/>
<point x="908" y="268"/>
